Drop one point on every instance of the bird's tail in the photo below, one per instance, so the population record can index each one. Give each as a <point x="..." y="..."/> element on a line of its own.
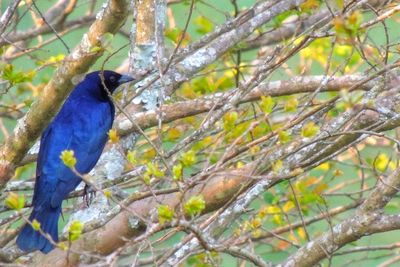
<point x="30" y="240"/>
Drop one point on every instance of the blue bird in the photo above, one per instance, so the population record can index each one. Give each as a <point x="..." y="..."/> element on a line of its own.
<point x="82" y="126"/>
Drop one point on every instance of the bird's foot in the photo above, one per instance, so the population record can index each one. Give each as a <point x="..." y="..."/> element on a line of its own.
<point x="88" y="194"/>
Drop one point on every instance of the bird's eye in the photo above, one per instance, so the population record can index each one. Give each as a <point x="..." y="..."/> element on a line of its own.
<point x="112" y="79"/>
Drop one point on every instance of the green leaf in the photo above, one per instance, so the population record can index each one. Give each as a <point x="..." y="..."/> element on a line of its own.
<point x="177" y="172"/>
<point x="75" y="230"/>
<point x="310" y="129"/>
<point x="284" y="137"/>
<point x="204" y="25"/>
<point x="348" y="27"/>
<point x="230" y="120"/>
<point x="131" y="157"/>
<point x="68" y="158"/>
<point x="165" y="214"/>
<point x="381" y="162"/>
<point x="51" y="60"/>
<point x="188" y="158"/>
<point x="113" y="136"/>
<point x="203" y="85"/>
<point x="107" y="193"/>
<point x="15" y="77"/>
<point x="195" y="205"/>
<point x="15" y="201"/>
<point x="35" y="225"/>
<point x="278" y="20"/>
<point x="267" y="104"/>
<point x="56" y="59"/>
<point x="277" y="166"/>
<point x="96" y="49"/>
<point x="291" y="105"/>
<point x="8" y="72"/>
<point x="310" y="5"/>
<point x="260" y="130"/>
<point x="146" y="178"/>
<point x="152" y="169"/>
<point x="214" y="158"/>
<point x="28" y="102"/>
<point x="175" y="35"/>
<point x="354" y="21"/>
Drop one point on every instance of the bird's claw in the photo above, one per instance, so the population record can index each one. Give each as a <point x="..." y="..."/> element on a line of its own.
<point x="88" y="194"/>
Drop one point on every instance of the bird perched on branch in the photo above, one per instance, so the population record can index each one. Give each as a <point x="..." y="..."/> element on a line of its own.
<point x="81" y="126"/>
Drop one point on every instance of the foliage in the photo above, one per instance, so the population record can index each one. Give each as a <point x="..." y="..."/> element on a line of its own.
<point x="75" y="230"/>
<point x="67" y="156"/>
<point x="15" y="201"/>
<point x="194" y="205"/>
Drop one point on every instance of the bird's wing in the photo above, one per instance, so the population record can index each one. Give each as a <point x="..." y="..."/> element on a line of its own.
<point x="88" y="138"/>
<point x="49" y="164"/>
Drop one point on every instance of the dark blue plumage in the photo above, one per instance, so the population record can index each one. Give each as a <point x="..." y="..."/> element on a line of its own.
<point x="82" y="126"/>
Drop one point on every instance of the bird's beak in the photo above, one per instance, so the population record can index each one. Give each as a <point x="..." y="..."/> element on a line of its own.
<point x="125" y="79"/>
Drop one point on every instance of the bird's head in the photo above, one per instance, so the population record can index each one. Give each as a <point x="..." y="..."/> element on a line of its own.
<point x="108" y="80"/>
